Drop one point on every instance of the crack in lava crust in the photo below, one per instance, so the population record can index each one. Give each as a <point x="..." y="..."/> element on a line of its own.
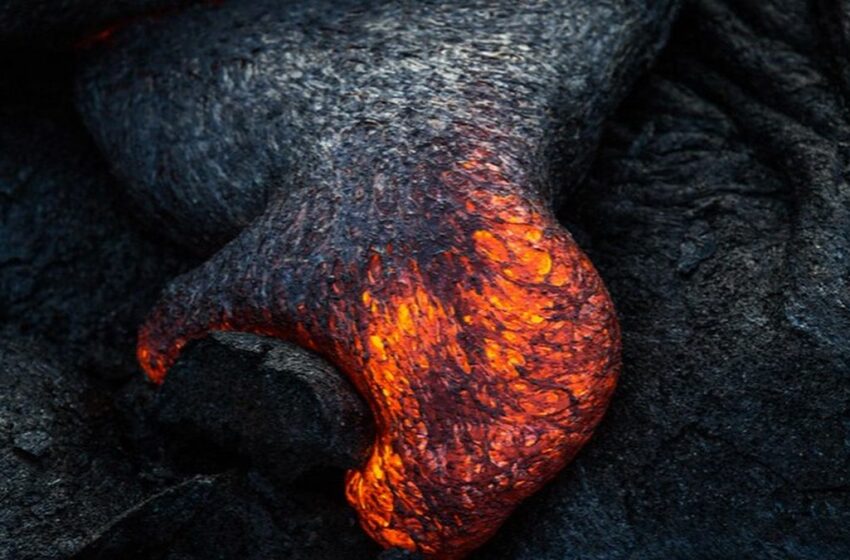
<point x="480" y="334"/>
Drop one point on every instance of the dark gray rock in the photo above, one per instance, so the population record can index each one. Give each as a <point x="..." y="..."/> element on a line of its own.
<point x="74" y="486"/>
<point x="230" y="516"/>
<point x="719" y="214"/>
<point x="64" y="468"/>
<point x="276" y="405"/>
<point x="57" y="24"/>
<point x="77" y="273"/>
<point x="399" y="554"/>
<point x="208" y="115"/>
<point x="75" y="269"/>
<point x="34" y="443"/>
<point x="355" y="118"/>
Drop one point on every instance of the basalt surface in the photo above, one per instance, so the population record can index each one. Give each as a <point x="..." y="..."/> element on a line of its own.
<point x="290" y="412"/>
<point x="409" y="238"/>
<point x="76" y="270"/>
<point x="55" y="25"/>
<point x="719" y="212"/>
<point x="715" y="210"/>
<point x="64" y="470"/>
<point x="208" y="115"/>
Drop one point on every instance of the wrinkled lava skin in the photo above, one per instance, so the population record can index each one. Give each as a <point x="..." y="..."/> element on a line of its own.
<point x="486" y="345"/>
<point x="408" y="156"/>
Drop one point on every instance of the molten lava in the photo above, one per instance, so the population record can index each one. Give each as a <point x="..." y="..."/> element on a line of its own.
<point x="487" y="348"/>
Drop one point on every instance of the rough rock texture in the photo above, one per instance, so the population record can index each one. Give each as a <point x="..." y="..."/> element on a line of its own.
<point x="234" y="515"/>
<point x="245" y="442"/>
<point x="74" y="268"/>
<point x="74" y="485"/>
<point x="719" y="212"/>
<point x="76" y="273"/>
<point x="399" y="554"/>
<point x="207" y="115"/>
<point x="409" y="238"/>
<point x="275" y="404"/>
<point x="716" y="211"/>
<point x="57" y="24"/>
<point x="64" y="469"/>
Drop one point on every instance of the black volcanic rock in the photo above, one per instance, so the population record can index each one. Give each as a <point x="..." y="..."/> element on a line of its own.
<point x="719" y="214"/>
<point x="82" y="461"/>
<point x="276" y="405"/>
<point x="234" y="515"/>
<point x="64" y="470"/>
<point x="75" y="269"/>
<point x="716" y="210"/>
<point x="399" y="554"/>
<point x="58" y="24"/>
<point x="73" y="484"/>
<point x="209" y="114"/>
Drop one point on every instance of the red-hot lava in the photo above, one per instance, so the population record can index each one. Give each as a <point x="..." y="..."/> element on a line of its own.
<point x="487" y="364"/>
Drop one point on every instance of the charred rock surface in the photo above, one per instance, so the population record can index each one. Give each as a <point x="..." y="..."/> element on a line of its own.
<point x="209" y="115"/>
<point x="64" y="470"/>
<point x="79" y="459"/>
<point x="75" y="270"/>
<point x="719" y="211"/>
<point x="409" y="236"/>
<point x="278" y="406"/>
<point x="73" y="484"/>
<point x="58" y="24"/>
<point x="234" y="515"/>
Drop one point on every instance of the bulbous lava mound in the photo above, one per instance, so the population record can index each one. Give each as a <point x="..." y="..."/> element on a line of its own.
<point x="416" y="150"/>
<point x="483" y="339"/>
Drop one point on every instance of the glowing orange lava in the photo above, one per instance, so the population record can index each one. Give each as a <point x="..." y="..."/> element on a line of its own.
<point x="487" y="365"/>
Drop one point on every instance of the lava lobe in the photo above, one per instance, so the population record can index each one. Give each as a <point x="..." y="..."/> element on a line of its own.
<point x="479" y="333"/>
<point x="397" y="166"/>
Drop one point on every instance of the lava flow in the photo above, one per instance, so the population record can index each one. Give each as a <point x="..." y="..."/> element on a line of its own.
<point x="479" y="333"/>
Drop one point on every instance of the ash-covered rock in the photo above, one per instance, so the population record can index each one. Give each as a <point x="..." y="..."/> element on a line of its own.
<point x="278" y="406"/>
<point x="719" y="211"/>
